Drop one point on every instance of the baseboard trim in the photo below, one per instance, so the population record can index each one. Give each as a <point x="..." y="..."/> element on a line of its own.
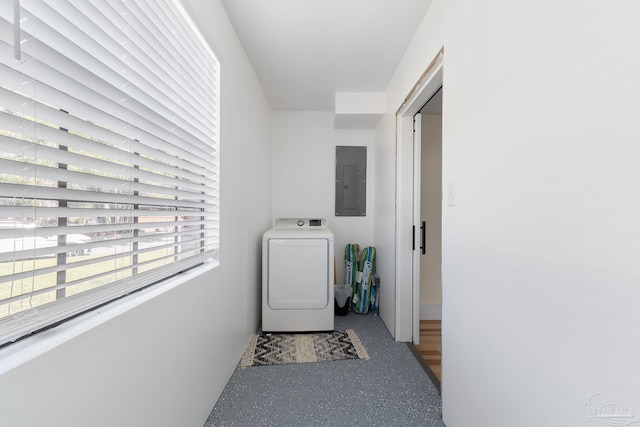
<point x="430" y="311"/>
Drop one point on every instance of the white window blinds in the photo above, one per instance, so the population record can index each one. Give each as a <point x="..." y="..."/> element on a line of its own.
<point x="109" y="129"/>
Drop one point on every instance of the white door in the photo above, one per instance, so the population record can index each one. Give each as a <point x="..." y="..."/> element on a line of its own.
<point x="431" y="211"/>
<point x="427" y="216"/>
<point x="298" y="274"/>
<point x="417" y="224"/>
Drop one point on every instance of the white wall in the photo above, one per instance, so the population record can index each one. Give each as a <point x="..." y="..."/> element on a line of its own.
<point x="166" y="362"/>
<point x="304" y="166"/>
<point x="540" y="258"/>
<point x="385" y="220"/>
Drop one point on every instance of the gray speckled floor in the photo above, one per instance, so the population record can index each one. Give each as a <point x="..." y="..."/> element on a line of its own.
<point x="389" y="389"/>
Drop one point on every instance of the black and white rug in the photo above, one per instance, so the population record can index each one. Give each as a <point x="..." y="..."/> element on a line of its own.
<point x="278" y="349"/>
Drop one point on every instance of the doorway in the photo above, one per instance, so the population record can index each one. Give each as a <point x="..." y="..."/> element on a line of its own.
<point x="428" y="220"/>
<point x="408" y="221"/>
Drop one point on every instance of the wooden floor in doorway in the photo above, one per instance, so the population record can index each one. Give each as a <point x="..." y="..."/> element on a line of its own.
<point x="430" y="347"/>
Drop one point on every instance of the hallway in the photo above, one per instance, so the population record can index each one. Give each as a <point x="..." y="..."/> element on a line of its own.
<point x="389" y="389"/>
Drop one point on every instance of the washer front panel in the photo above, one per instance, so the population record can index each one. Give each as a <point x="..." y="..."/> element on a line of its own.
<point x="298" y="274"/>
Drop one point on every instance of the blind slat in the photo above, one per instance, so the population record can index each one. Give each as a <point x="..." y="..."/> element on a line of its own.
<point x="102" y="40"/>
<point x="93" y="91"/>
<point x="43" y="248"/>
<point x="88" y="262"/>
<point x="110" y="142"/>
<point x="104" y="158"/>
<point x="63" y="36"/>
<point x="17" y="80"/>
<point x="20" y="231"/>
<point x="95" y="197"/>
<point x="91" y="80"/>
<point x="26" y="170"/>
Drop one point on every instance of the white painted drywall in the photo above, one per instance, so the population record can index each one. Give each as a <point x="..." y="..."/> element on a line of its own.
<point x="385" y="219"/>
<point x="304" y="166"/>
<point x="166" y="362"/>
<point x="541" y="285"/>
<point x="360" y="102"/>
<point x="431" y="214"/>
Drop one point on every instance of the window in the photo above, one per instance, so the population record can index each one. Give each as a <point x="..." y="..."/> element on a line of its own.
<point x="109" y="133"/>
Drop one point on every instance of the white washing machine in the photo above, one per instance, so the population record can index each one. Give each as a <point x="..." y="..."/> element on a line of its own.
<point x="297" y="276"/>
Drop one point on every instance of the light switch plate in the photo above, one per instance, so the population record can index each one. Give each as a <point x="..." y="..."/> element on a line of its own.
<point x="451" y="194"/>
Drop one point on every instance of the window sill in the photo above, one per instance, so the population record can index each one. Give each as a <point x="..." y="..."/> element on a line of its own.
<point x="30" y="348"/>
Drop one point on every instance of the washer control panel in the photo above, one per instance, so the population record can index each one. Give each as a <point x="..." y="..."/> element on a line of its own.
<point x="301" y="223"/>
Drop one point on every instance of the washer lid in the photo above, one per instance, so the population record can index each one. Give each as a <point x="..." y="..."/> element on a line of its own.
<point x="301" y="223"/>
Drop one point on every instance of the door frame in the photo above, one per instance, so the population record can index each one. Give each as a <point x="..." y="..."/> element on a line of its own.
<point x="407" y="285"/>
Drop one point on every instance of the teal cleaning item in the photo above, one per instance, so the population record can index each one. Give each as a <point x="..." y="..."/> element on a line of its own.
<point x="375" y="295"/>
<point x="361" y="300"/>
<point x="351" y="264"/>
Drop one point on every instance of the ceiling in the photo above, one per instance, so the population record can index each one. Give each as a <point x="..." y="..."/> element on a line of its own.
<point x="304" y="51"/>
